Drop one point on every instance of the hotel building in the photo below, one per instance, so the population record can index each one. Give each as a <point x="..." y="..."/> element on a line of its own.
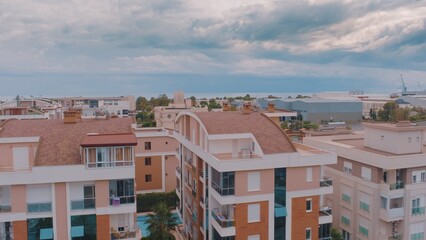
<point x="379" y="181"/>
<point x="67" y="179"/>
<point x="240" y="177"/>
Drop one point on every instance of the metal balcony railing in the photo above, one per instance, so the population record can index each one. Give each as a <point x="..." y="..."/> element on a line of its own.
<point x="222" y="220"/>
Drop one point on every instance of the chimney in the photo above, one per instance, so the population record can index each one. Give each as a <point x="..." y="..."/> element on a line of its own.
<point x="225" y="106"/>
<point x="271" y="107"/>
<point x="247" y="108"/>
<point x="70" y="117"/>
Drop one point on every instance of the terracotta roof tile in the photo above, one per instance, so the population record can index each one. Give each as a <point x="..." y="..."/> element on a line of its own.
<point x="270" y="136"/>
<point x="60" y="143"/>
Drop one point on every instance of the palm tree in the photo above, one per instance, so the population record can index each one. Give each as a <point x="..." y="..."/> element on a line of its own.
<point x="161" y="223"/>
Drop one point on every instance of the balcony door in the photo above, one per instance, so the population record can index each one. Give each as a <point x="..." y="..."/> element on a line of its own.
<point x="101" y="157"/>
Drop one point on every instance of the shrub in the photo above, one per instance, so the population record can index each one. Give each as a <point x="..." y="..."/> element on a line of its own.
<point x="146" y="202"/>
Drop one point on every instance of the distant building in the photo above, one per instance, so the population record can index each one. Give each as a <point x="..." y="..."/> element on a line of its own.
<point x="91" y="106"/>
<point x="67" y="179"/>
<point x="23" y="108"/>
<point x="320" y="110"/>
<point x="242" y="178"/>
<point x="415" y="100"/>
<point x="379" y="181"/>
<point x="165" y="116"/>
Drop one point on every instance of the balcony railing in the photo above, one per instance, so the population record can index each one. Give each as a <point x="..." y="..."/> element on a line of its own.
<point x="397" y="185"/>
<point x="87" y="203"/>
<point x="127" y="234"/>
<point x="222" y="220"/>
<point x="5" y="208"/>
<point x="326" y="182"/>
<point x="223" y="191"/>
<point x="109" y="164"/>
<point x="178" y="170"/>
<point x="325" y="211"/>
<point x="39" y="207"/>
<point x="117" y="201"/>
<point x="418" y="211"/>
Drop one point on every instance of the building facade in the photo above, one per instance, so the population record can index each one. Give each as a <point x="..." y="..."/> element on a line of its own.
<point x="379" y="181"/>
<point x="70" y="179"/>
<point x="239" y="177"/>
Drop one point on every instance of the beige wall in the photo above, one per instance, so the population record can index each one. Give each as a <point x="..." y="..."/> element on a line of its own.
<point x="18" y="198"/>
<point x="102" y="193"/>
<point x="61" y="211"/>
<point x="158" y="145"/>
<point x="297" y="178"/>
<point x="266" y="183"/>
<point x="171" y="164"/>
<point x="155" y="169"/>
<point x="244" y="229"/>
<point x="6" y="152"/>
<point x="301" y="219"/>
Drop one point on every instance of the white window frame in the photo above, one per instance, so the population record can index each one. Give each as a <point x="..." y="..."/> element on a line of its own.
<point x="309" y="173"/>
<point x="310" y="204"/>
<point x="253" y="181"/>
<point x="366" y="173"/>
<point x="253" y="212"/>
<point x="253" y="237"/>
<point x="347" y="167"/>
<point x="310" y="233"/>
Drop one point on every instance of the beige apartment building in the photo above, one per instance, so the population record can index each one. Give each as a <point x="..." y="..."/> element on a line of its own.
<point x="67" y="179"/>
<point x="379" y="181"/>
<point x="240" y="177"/>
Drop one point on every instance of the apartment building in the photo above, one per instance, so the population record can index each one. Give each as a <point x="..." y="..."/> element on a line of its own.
<point x="30" y="108"/>
<point x="240" y="177"/>
<point x="155" y="160"/>
<point x="379" y="181"/>
<point x="93" y="106"/>
<point x="67" y="179"/>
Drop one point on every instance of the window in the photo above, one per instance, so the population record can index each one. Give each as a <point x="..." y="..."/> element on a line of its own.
<point x="415" y="207"/>
<point x="309" y="205"/>
<point x="148" y="161"/>
<point x="363" y="230"/>
<point x="346" y="198"/>
<point x="148" y="178"/>
<point x="5" y="205"/>
<point x="253" y="213"/>
<point x="366" y="173"/>
<point x="347" y="167"/>
<point x="346" y="235"/>
<point x="309" y="174"/>
<point x="383" y="202"/>
<point x="21" y="158"/>
<point x="147" y="145"/>
<point x="253" y="237"/>
<point x="308" y="234"/>
<point x="40" y="228"/>
<point x="121" y="191"/>
<point x="253" y="179"/>
<point x="83" y="227"/>
<point x="417" y="236"/>
<point x="364" y="206"/>
<point x="423" y="176"/>
<point x="417" y="231"/>
<point x="345" y="220"/>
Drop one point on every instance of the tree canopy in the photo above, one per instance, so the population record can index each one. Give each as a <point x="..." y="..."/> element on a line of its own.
<point x="161" y="223"/>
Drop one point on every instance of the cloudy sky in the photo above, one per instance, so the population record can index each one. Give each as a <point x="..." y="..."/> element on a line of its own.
<point x="95" y="47"/>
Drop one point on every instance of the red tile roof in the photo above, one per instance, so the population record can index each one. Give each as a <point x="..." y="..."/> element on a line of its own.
<point x="270" y="136"/>
<point x="60" y="143"/>
<point x="104" y="140"/>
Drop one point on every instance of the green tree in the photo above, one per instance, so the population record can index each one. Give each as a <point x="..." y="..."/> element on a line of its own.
<point x="335" y="234"/>
<point x="391" y="112"/>
<point x="284" y="125"/>
<point x="161" y="223"/>
<point x="296" y="125"/>
<point x="142" y="104"/>
<point x="193" y="101"/>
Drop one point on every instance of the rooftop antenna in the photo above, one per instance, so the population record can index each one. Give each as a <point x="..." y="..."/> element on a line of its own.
<point x="404" y="88"/>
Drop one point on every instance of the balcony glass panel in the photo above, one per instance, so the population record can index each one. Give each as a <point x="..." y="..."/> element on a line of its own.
<point x="39" y="207"/>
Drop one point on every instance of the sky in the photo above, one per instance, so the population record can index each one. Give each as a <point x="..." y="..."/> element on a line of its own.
<point x="119" y="47"/>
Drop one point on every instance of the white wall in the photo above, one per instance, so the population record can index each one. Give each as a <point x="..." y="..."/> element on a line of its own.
<point x="77" y="190"/>
<point x="39" y="193"/>
<point x="394" y="142"/>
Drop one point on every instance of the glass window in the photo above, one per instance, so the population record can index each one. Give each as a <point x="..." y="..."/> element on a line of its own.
<point x="121" y="191"/>
<point x="148" y="178"/>
<point x="148" y="161"/>
<point x="40" y="228"/>
<point x="147" y="145"/>
<point x="309" y="205"/>
<point x="253" y="179"/>
<point x="83" y="227"/>
<point x="308" y="233"/>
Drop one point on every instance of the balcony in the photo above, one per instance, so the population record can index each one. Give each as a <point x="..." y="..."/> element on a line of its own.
<point x="325" y="215"/>
<point x="108" y="157"/>
<point x="39" y="207"/>
<point x="117" y="201"/>
<point x="397" y="185"/>
<point x="128" y="234"/>
<point x="223" y="191"/>
<point x="5" y="208"/>
<point x="396" y="237"/>
<point x="88" y="203"/>
<point x="393" y="214"/>
<point x="238" y="156"/>
<point x="418" y="211"/>
<point x="178" y="171"/>
<point x="326" y="182"/>
<point x="222" y="220"/>
<point x="110" y="164"/>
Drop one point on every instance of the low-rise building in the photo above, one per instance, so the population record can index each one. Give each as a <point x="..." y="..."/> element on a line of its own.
<point x="379" y="181"/>
<point x="72" y="179"/>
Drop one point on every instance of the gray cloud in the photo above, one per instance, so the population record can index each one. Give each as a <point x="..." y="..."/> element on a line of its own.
<point x="311" y="40"/>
